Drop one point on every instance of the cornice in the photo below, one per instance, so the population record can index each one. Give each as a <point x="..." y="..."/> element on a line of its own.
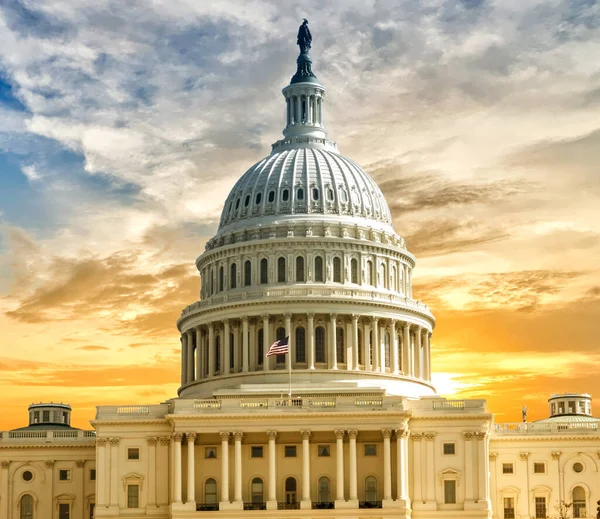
<point x="483" y="417"/>
<point x="552" y="437"/>
<point x="61" y="445"/>
<point x="218" y="417"/>
<point x="132" y="421"/>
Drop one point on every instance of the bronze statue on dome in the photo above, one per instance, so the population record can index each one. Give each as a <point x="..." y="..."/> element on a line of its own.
<point x="304" y="37"/>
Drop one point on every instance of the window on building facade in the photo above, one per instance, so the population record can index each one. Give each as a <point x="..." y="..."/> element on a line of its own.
<point x="92" y="507"/>
<point x="393" y="279"/>
<point x="217" y="354"/>
<point x="319" y="269"/>
<point x="540" y="508"/>
<point x="133" y="453"/>
<point x="330" y="194"/>
<point x="27" y="475"/>
<point x="509" y="508"/>
<point x="92" y="474"/>
<point x="280" y="334"/>
<point x="247" y="201"/>
<point x="339" y="345"/>
<point x="384" y="280"/>
<point x="371" y="489"/>
<point x="264" y="271"/>
<point x="64" y="511"/>
<point x="323" y="451"/>
<point x="231" y="350"/>
<point x="285" y="195"/>
<point x="449" y="491"/>
<point x="324" y="489"/>
<point x="361" y="359"/>
<point x="281" y="270"/>
<point x="320" y="344"/>
<point x="370" y="449"/>
<point x="449" y="448"/>
<point x="45" y="416"/>
<point x="258" y="198"/>
<point x="256" y="451"/>
<point x="290" y="491"/>
<point x="300" y="345"/>
<point x="577" y="467"/>
<point x="133" y="496"/>
<point x="260" y="347"/>
<point x="26" y="507"/>
<point x="508" y="468"/>
<point x="271" y="197"/>
<point x="210" y="491"/>
<point x="315" y="193"/>
<point x="369" y="273"/>
<point x="247" y="273"/>
<point x="210" y="453"/>
<point x="257" y="491"/>
<point x="233" y="276"/>
<point x="337" y="270"/>
<point x="571" y="406"/>
<point x="387" y="348"/>
<point x="289" y="451"/>
<point x="64" y="475"/>
<point x="300" y="194"/>
<point x="539" y="467"/>
<point x="354" y="270"/>
<point x="578" y="500"/>
<point x="221" y="279"/>
<point x="299" y="269"/>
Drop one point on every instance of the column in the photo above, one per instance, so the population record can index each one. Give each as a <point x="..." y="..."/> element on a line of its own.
<point x="306" y="501"/>
<point x="266" y="343"/>
<point x="417" y="352"/>
<point x="376" y="346"/>
<point x="483" y="459"/>
<point x="394" y="347"/>
<point x="311" y="341"/>
<point x="417" y="461"/>
<point x="430" y="487"/>
<point x="184" y="352"/>
<point x="367" y="348"/>
<point x="224" y="468"/>
<point x="382" y="330"/>
<point x="349" y="344"/>
<point x="288" y="333"/>
<point x="152" y="441"/>
<point x="100" y="475"/>
<point x="406" y="350"/>
<point x="226" y="348"/>
<point x="352" y="468"/>
<point x="245" y="346"/>
<point x="298" y="110"/>
<point x="427" y="356"/>
<point x="191" y="475"/>
<point x="199" y="354"/>
<point x="469" y="467"/>
<point x="237" y="489"/>
<point x="333" y="347"/>
<point x="339" y="458"/>
<point x="387" y="465"/>
<point x="402" y="467"/>
<point x="309" y="101"/>
<point x="272" y="483"/>
<point x="114" y="473"/>
<point x="177" y="437"/>
<point x="190" y="356"/>
<point x="211" y="350"/>
<point x="4" y="500"/>
<point x="355" y="359"/>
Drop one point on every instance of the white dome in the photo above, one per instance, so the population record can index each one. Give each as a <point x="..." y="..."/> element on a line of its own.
<point x="306" y="181"/>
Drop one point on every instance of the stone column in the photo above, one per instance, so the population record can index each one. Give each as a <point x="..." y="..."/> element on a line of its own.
<point x="237" y="491"/>
<point x="430" y="487"/>
<point x="190" y="356"/>
<point x="226" y="348"/>
<point x="245" y="346"/>
<point x="272" y="483"/>
<point x="288" y="333"/>
<point x="469" y="495"/>
<point x="184" y="353"/>
<point x="4" y="481"/>
<point x="368" y="361"/>
<point x="417" y="464"/>
<point x="266" y="343"/>
<point x="483" y="459"/>
<point x="387" y="466"/>
<point x="355" y="359"/>
<point x="224" y="469"/>
<point x="199" y="354"/>
<point x="406" y="351"/>
<point x="349" y="344"/>
<point x="333" y="347"/>
<point x="382" y="330"/>
<point x="177" y="437"/>
<point x="305" y="504"/>
<point x="339" y="458"/>
<point x="163" y="455"/>
<point x="311" y="341"/>
<point x="152" y="441"/>
<point x="191" y="475"/>
<point x="352" y="468"/>
<point x="211" y="350"/>
<point x="394" y="347"/>
<point x="402" y="496"/>
<point x="100" y="475"/>
<point x="114" y="473"/>
<point x="427" y="352"/>
<point x="417" y="352"/>
<point x="376" y="345"/>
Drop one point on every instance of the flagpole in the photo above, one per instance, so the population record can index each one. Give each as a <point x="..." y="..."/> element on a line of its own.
<point x="290" y="374"/>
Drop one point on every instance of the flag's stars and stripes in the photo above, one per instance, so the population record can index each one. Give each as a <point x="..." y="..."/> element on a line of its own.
<point x="279" y="347"/>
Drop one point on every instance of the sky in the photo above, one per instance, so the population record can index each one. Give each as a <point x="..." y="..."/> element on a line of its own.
<point x="123" y="126"/>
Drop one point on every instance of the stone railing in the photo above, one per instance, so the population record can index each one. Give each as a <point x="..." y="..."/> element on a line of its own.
<point x="47" y="436"/>
<point x="131" y="412"/>
<point x="517" y="428"/>
<point x="449" y="406"/>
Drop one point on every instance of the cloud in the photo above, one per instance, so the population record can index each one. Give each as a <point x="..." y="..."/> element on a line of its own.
<point x="92" y="347"/>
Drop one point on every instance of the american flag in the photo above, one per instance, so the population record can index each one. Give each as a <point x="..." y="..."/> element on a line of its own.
<point x="279" y="347"/>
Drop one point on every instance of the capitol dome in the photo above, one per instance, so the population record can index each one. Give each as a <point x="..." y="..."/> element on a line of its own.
<point x="306" y="253"/>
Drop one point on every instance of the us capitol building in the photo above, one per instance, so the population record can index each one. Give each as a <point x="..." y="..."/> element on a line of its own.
<point x="305" y="249"/>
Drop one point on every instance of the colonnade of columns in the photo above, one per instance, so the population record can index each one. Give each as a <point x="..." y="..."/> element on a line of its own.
<point x="324" y="341"/>
<point x="312" y="112"/>
<point x="344" y="497"/>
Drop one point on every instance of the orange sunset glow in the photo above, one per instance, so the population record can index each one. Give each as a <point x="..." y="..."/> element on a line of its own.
<point x="124" y="127"/>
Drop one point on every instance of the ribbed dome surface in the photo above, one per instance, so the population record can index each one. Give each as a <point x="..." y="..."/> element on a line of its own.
<point x="303" y="181"/>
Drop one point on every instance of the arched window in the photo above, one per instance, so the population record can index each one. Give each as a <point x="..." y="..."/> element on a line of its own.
<point x="315" y="193"/>
<point x="339" y="344"/>
<point x="320" y="344"/>
<point x="386" y="345"/>
<point x="280" y="334"/>
<point x="300" y="345"/>
<point x="258" y="198"/>
<point x="237" y="203"/>
<point x="264" y="271"/>
<point x="233" y="276"/>
<point x="212" y="281"/>
<point x="324" y="490"/>
<point x="231" y="350"/>
<point x="261" y="347"/>
<point x="210" y="492"/>
<point x="319" y="268"/>
<point x="300" y="194"/>
<point x="218" y="353"/>
<point x="257" y="491"/>
<point x="299" y="269"/>
<point x="221" y="279"/>
<point x="290" y="491"/>
<point x="369" y="273"/>
<point x="26" y="507"/>
<point x="579" y="508"/>
<point x="393" y="279"/>
<point x="371" y="490"/>
<point x="247" y="201"/>
<point x="330" y="194"/>
<point x="382" y="269"/>
<point x="354" y="271"/>
<point x="361" y="359"/>
<point x="400" y="365"/>
<point x="271" y="196"/>
<point x="281" y="270"/>
<point x="247" y="273"/>
<point x="285" y="195"/>
<point x="337" y="270"/>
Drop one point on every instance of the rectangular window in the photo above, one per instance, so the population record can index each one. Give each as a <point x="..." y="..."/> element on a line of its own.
<point x="256" y="452"/>
<point x="133" y="496"/>
<point x="539" y="467"/>
<point x="210" y="453"/>
<point x="92" y="474"/>
<point x="36" y="417"/>
<point x="449" y="492"/>
<point x="64" y="511"/>
<point x="290" y="451"/>
<point x="64" y="475"/>
<point x="133" y="453"/>
<point x="449" y="448"/>
<point x="92" y="506"/>
<point x="45" y="416"/>
<point x="323" y="451"/>
<point x="571" y="406"/>
<point x="540" y="508"/>
<point x="370" y="449"/>
<point x="509" y="508"/>
<point x="508" y="468"/>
